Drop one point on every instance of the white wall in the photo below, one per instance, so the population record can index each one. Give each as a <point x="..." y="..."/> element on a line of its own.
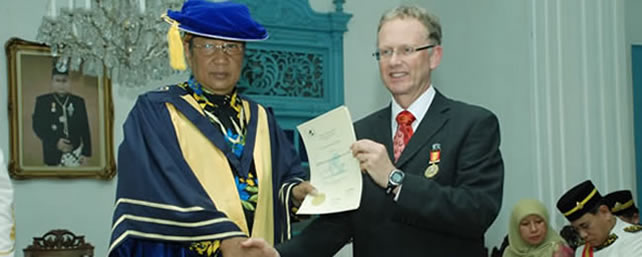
<point x="556" y="73"/>
<point x="84" y="206"/>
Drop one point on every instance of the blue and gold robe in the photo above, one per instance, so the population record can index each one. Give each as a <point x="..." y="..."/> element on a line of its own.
<point x="175" y="180"/>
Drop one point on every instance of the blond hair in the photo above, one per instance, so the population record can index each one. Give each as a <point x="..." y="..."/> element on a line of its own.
<point x="430" y="21"/>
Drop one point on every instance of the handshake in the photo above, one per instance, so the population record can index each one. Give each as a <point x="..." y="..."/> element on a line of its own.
<point x="247" y="247"/>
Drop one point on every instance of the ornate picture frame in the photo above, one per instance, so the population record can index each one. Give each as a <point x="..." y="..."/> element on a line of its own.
<point x="60" y="121"/>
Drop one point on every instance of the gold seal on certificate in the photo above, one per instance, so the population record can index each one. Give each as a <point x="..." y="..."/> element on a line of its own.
<point x="333" y="169"/>
<point x="318" y="199"/>
<point x="431" y="171"/>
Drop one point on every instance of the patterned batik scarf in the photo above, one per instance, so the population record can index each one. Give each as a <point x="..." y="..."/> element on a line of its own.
<point x="226" y="112"/>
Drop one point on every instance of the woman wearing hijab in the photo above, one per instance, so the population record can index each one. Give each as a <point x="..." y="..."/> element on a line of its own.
<point x="529" y="234"/>
<point x="7" y="221"/>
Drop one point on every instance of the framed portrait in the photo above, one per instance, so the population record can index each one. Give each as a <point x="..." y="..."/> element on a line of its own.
<point x="60" y="121"/>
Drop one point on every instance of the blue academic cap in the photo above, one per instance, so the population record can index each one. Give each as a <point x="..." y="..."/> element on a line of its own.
<point x="222" y="20"/>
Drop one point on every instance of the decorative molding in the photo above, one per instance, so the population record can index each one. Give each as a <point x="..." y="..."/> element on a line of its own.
<point x="297" y="14"/>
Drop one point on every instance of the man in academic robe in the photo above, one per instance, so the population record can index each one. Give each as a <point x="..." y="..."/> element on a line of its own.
<point x="201" y="167"/>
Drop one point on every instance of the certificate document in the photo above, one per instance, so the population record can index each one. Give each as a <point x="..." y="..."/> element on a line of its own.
<point x="334" y="172"/>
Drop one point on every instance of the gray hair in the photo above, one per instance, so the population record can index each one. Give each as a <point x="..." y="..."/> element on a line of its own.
<point x="430" y="21"/>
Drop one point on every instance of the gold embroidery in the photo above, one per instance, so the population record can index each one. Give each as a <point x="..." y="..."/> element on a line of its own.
<point x="633" y="229"/>
<point x="621" y="206"/>
<point x="609" y="241"/>
<point x="206" y="248"/>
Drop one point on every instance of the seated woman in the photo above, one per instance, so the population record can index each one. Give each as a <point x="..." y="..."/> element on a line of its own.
<point x="530" y="235"/>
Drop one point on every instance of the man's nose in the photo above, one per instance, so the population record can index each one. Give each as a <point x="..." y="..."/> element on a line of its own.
<point x="219" y="56"/>
<point x="395" y="58"/>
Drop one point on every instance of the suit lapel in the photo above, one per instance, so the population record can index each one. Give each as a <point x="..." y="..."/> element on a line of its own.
<point x="432" y="122"/>
<point x="384" y="134"/>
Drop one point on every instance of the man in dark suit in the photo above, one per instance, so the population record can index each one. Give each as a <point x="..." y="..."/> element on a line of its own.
<point x="60" y="121"/>
<point x="433" y="172"/>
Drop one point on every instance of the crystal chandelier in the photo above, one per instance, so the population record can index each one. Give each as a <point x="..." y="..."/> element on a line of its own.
<point x="127" y="37"/>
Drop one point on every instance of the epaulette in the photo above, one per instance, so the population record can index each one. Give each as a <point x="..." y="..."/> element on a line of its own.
<point x="633" y="229"/>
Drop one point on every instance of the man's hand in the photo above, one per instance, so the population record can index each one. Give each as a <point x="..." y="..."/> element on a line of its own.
<point x="64" y="145"/>
<point x="82" y="159"/>
<point x="260" y="246"/>
<point x="300" y="191"/>
<point x="231" y="247"/>
<point x="244" y="247"/>
<point x="373" y="159"/>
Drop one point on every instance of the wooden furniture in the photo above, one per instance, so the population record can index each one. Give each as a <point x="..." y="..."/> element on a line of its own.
<point x="59" y="243"/>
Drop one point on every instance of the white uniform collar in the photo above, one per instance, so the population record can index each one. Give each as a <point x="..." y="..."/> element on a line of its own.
<point x="418" y="109"/>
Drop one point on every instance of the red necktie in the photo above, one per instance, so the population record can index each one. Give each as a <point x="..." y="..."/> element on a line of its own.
<point x="404" y="132"/>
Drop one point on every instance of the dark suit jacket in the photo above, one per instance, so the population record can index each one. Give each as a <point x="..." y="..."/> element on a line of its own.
<point x="49" y="128"/>
<point x="446" y="215"/>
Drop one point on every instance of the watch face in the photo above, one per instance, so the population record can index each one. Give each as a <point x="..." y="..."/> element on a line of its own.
<point x="396" y="177"/>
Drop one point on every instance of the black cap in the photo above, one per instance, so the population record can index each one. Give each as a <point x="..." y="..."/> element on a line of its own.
<point x="60" y="67"/>
<point x="620" y="201"/>
<point x="579" y="200"/>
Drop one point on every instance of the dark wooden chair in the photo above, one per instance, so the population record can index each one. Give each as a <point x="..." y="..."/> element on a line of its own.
<point x="59" y="243"/>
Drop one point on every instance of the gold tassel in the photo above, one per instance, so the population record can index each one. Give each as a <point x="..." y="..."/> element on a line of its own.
<point x="176" y="50"/>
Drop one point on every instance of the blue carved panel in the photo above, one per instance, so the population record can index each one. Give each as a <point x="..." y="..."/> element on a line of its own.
<point x="298" y="71"/>
<point x="282" y="73"/>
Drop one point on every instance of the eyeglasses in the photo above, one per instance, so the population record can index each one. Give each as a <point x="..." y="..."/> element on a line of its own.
<point x="383" y="54"/>
<point x="227" y="48"/>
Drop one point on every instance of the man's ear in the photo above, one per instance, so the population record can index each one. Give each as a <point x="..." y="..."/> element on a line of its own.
<point x="186" y="48"/>
<point x="604" y="209"/>
<point x="435" y="56"/>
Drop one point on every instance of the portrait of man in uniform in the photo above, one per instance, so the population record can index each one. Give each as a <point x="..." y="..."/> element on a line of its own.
<point x="60" y="121"/>
<point x="60" y="118"/>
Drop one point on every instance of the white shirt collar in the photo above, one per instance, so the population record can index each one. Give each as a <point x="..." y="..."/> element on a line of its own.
<point x="418" y="109"/>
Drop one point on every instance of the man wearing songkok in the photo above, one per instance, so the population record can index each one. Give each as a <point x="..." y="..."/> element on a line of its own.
<point x="622" y="205"/>
<point x="61" y="123"/>
<point x="201" y="167"/>
<point x="603" y="234"/>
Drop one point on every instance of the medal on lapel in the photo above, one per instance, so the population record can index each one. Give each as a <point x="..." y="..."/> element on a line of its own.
<point x="435" y="157"/>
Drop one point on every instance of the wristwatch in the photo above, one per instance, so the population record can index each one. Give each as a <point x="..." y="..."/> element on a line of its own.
<point x="394" y="180"/>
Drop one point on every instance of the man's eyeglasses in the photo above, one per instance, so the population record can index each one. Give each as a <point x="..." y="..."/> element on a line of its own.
<point x="227" y="48"/>
<point x="383" y="54"/>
